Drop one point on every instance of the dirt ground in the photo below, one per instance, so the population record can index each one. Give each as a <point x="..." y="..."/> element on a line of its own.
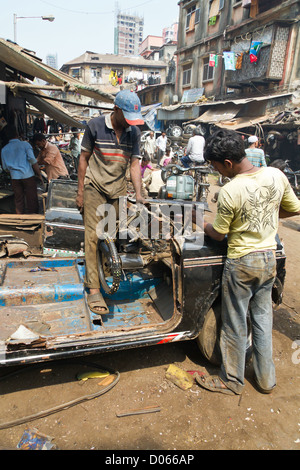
<point x="187" y="420"/>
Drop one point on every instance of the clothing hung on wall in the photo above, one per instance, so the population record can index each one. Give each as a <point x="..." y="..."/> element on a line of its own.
<point x="229" y="60"/>
<point x="254" y="50"/>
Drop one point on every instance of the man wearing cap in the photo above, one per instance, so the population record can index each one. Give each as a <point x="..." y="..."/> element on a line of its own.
<point x="255" y="155"/>
<point x="110" y="143"/>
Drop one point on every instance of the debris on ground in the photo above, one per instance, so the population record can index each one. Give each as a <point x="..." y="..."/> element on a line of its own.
<point x="11" y="246"/>
<point x="92" y="375"/>
<point x="179" y="377"/>
<point x="148" y="409"/>
<point x="32" y="439"/>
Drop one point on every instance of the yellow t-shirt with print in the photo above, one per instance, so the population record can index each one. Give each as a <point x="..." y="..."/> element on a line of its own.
<point x="248" y="210"/>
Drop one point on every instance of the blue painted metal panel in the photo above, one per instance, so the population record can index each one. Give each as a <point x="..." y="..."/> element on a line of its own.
<point x="57" y="298"/>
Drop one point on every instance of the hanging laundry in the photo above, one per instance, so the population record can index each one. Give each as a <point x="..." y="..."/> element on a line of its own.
<point x="213" y="60"/>
<point x="229" y="60"/>
<point x="246" y="3"/>
<point x="254" y="51"/>
<point x="212" y="21"/>
<point x="239" y="61"/>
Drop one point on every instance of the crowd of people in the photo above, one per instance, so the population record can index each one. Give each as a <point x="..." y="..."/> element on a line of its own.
<point x="24" y="161"/>
<point x="157" y="154"/>
<point x="111" y="145"/>
<point x="251" y="228"/>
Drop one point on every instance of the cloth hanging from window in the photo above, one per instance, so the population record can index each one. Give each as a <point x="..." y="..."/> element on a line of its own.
<point x="212" y="21"/>
<point x="213" y="60"/>
<point x="254" y="51"/>
<point x="229" y="60"/>
<point x="239" y="61"/>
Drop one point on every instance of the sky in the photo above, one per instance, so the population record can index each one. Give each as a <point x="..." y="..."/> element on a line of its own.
<point x="78" y="26"/>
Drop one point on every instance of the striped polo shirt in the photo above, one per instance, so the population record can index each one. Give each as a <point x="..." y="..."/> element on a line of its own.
<point x="256" y="157"/>
<point x="109" y="160"/>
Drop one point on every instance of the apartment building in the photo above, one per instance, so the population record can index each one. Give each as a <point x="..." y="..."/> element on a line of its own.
<point x="110" y="73"/>
<point x="170" y="33"/>
<point x="129" y="30"/>
<point x="150" y="44"/>
<point x="109" y="69"/>
<point x="237" y="48"/>
<point x="51" y="59"/>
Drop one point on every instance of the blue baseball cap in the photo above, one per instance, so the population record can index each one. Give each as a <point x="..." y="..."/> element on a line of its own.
<point x="130" y="104"/>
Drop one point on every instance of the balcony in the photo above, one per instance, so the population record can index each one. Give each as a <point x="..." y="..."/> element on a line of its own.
<point x="269" y="66"/>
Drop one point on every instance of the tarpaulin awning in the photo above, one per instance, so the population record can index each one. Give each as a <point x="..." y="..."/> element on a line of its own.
<point x="150" y="116"/>
<point x="146" y="109"/>
<point x="17" y="58"/>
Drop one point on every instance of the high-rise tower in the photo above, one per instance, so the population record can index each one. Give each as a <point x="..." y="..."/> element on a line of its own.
<point x="129" y="30"/>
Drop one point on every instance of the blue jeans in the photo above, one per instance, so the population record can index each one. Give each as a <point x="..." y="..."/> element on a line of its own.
<point x="186" y="161"/>
<point x="247" y="285"/>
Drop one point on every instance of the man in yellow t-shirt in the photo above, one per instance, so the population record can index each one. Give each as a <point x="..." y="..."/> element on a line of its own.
<point x="249" y="207"/>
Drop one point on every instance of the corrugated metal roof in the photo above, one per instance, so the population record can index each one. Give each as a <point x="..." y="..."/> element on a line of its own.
<point x="38" y="99"/>
<point x="53" y="110"/>
<point x="17" y="58"/>
<point x="236" y="114"/>
<point x="244" y="100"/>
<point x="221" y="113"/>
<point x="177" y="113"/>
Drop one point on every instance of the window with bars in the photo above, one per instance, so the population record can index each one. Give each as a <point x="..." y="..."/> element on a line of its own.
<point x="96" y="72"/>
<point x="192" y="17"/>
<point x="208" y="72"/>
<point x="187" y="76"/>
<point x="76" y="72"/>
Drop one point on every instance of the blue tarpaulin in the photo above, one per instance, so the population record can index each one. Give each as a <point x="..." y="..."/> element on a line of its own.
<point x="150" y="116"/>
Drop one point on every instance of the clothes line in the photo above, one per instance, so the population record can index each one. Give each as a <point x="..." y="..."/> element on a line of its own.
<point x="233" y="60"/>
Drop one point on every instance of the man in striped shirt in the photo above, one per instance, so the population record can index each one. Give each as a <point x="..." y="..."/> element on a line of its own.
<point x="110" y="144"/>
<point x="255" y="155"/>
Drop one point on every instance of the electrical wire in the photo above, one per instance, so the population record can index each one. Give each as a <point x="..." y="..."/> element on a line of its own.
<point x="94" y="12"/>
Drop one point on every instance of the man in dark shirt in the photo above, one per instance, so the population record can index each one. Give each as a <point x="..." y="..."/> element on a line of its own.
<point x="109" y="145"/>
